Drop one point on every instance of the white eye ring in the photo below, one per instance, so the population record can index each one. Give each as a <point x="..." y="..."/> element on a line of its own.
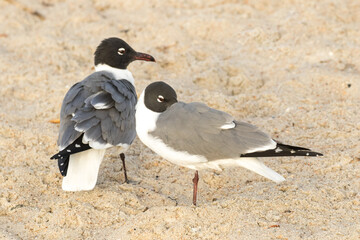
<point x="121" y="51"/>
<point x="160" y="98"/>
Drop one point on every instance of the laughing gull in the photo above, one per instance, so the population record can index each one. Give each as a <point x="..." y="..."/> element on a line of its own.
<point x="196" y="136"/>
<point x="98" y="113"/>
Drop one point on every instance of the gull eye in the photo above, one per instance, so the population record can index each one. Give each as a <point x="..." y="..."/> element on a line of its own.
<point x="160" y="98"/>
<point x="121" y="51"/>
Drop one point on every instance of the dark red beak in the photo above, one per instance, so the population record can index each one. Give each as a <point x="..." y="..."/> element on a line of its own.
<point x="144" y="57"/>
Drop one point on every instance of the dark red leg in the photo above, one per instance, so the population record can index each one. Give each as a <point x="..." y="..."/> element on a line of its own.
<point x="122" y="156"/>
<point x="195" y="181"/>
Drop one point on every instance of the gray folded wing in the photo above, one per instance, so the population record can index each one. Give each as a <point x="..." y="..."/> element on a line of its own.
<point x="201" y="130"/>
<point x="101" y="108"/>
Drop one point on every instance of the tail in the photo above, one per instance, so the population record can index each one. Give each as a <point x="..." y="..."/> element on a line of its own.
<point x="283" y="150"/>
<point x="258" y="167"/>
<point x="82" y="170"/>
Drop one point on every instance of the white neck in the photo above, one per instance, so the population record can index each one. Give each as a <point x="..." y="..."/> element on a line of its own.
<point x="118" y="73"/>
<point x="145" y="118"/>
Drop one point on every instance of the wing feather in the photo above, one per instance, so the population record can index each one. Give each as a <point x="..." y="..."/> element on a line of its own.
<point x="102" y="100"/>
<point x="196" y="129"/>
<point x="101" y="108"/>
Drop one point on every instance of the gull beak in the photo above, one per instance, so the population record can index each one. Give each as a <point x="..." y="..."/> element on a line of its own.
<point x="144" y="57"/>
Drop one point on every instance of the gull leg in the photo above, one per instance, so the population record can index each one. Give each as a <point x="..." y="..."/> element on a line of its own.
<point x="122" y="156"/>
<point x="195" y="181"/>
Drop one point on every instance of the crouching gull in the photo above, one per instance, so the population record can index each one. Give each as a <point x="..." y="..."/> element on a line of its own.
<point x="196" y="136"/>
<point x="98" y="113"/>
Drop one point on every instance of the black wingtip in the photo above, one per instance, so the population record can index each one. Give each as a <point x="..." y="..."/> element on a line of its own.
<point x="59" y="155"/>
<point x="63" y="164"/>
<point x="283" y="150"/>
<point x="64" y="155"/>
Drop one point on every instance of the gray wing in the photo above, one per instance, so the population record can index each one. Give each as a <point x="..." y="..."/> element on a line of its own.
<point x="201" y="130"/>
<point x="101" y="108"/>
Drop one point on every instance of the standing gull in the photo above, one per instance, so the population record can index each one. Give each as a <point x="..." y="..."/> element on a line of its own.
<point x="196" y="136"/>
<point x="98" y="113"/>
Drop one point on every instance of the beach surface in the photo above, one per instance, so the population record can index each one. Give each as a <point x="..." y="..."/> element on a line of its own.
<point x="291" y="68"/>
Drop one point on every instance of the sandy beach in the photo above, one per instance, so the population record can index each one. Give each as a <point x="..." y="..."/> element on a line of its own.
<point x="291" y="68"/>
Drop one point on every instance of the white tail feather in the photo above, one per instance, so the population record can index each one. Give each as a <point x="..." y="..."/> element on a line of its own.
<point x="257" y="166"/>
<point x="83" y="170"/>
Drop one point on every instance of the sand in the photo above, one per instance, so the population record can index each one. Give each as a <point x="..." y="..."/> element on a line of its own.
<point x="291" y="68"/>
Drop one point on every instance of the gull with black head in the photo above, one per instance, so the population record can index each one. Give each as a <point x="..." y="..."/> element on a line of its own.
<point x="196" y="136"/>
<point x="98" y="113"/>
